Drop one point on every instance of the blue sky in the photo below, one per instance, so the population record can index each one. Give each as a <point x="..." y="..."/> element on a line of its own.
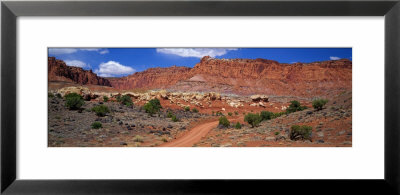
<point x="116" y="62"/>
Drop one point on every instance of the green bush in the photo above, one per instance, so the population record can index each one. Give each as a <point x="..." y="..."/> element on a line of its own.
<point x="252" y="119"/>
<point x="174" y="118"/>
<point x="73" y="101"/>
<point x="152" y="107"/>
<point x="295" y="106"/>
<point x="195" y="110"/>
<point x="238" y="126"/>
<point x="50" y="95"/>
<point x="318" y="104"/>
<point x="224" y="121"/>
<point x="229" y="113"/>
<point x="236" y="113"/>
<point x="298" y="132"/>
<point x="105" y="99"/>
<point x="278" y="114"/>
<point x="58" y="95"/>
<point x="212" y="113"/>
<point x="169" y="114"/>
<point x="125" y="100"/>
<point x="187" y="109"/>
<point x="100" y="110"/>
<point x="266" y="115"/>
<point x="96" y="125"/>
<point x="277" y="133"/>
<point x="219" y="113"/>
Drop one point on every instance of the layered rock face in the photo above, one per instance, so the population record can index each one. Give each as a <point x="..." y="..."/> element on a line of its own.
<point x="152" y="78"/>
<point x="246" y="77"/>
<point x="59" y="71"/>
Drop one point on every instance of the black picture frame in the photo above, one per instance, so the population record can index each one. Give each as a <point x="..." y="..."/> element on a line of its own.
<point x="10" y="10"/>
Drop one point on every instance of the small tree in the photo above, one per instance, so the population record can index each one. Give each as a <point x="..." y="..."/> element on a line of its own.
<point x="295" y="106"/>
<point x="100" y="110"/>
<point x="195" y="110"/>
<point x="125" y="100"/>
<point x="229" y="113"/>
<point x="318" y="104"/>
<point x="152" y="107"/>
<point x="187" y="109"/>
<point x="252" y="119"/>
<point x="105" y="98"/>
<point x="73" y="101"/>
<point x="266" y="115"/>
<point x="224" y="121"/>
<point x="238" y="126"/>
<point x="298" y="132"/>
<point x="96" y="125"/>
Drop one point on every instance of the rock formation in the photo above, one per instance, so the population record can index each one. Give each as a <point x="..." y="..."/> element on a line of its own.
<point x="152" y="78"/>
<point x="59" y="71"/>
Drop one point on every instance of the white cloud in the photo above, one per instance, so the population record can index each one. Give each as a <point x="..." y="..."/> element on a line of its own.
<point x="98" y="50"/>
<point x="113" y="69"/>
<point x="195" y="52"/>
<point x="57" y="51"/>
<point x="76" y="63"/>
<point x="335" y="58"/>
<point x="104" y="51"/>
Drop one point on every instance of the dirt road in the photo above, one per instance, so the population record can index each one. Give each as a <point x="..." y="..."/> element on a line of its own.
<point x="193" y="136"/>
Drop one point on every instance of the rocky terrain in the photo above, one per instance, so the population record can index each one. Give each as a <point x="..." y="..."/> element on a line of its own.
<point x="332" y="127"/>
<point x="123" y="126"/>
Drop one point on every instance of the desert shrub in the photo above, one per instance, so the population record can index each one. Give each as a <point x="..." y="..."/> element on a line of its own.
<point x="298" y="132"/>
<point x="238" y="126"/>
<point x="169" y="114"/>
<point x="187" y="108"/>
<point x="318" y="104"/>
<point x="219" y="113"/>
<point x="73" y="101"/>
<point x="174" y="118"/>
<point x="164" y="139"/>
<point x="212" y="113"/>
<point x="105" y="99"/>
<point x="96" y="125"/>
<point x="224" y="121"/>
<point x="277" y="133"/>
<point x="118" y="98"/>
<point x="229" y="113"/>
<point x="278" y="114"/>
<point x="101" y="110"/>
<point x="58" y="95"/>
<point x="295" y="106"/>
<point x="266" y="115"/>
<point x="138" y="138"/>
<point x="252" y="119"/>
<point x="152" y="107"/>
<point x="195" y="110"/>
<point x="125" y="100"/>
<point x="50" y="95"/>
<point x="236" y="113"/>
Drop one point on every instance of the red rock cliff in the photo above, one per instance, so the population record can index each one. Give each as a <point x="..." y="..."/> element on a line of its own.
<point x="247" y="76"/>
<point x="59" y="71"/>
<point x="152" y="78"/>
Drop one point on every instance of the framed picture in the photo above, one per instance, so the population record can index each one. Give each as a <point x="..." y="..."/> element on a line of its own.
<point x="217" y="97"/>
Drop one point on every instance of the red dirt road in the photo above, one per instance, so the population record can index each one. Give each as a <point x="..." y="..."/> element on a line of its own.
<point x="193" y="136"/>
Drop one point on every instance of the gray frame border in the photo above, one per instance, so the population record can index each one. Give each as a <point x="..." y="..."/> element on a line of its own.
<point x="10" y="10"/>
